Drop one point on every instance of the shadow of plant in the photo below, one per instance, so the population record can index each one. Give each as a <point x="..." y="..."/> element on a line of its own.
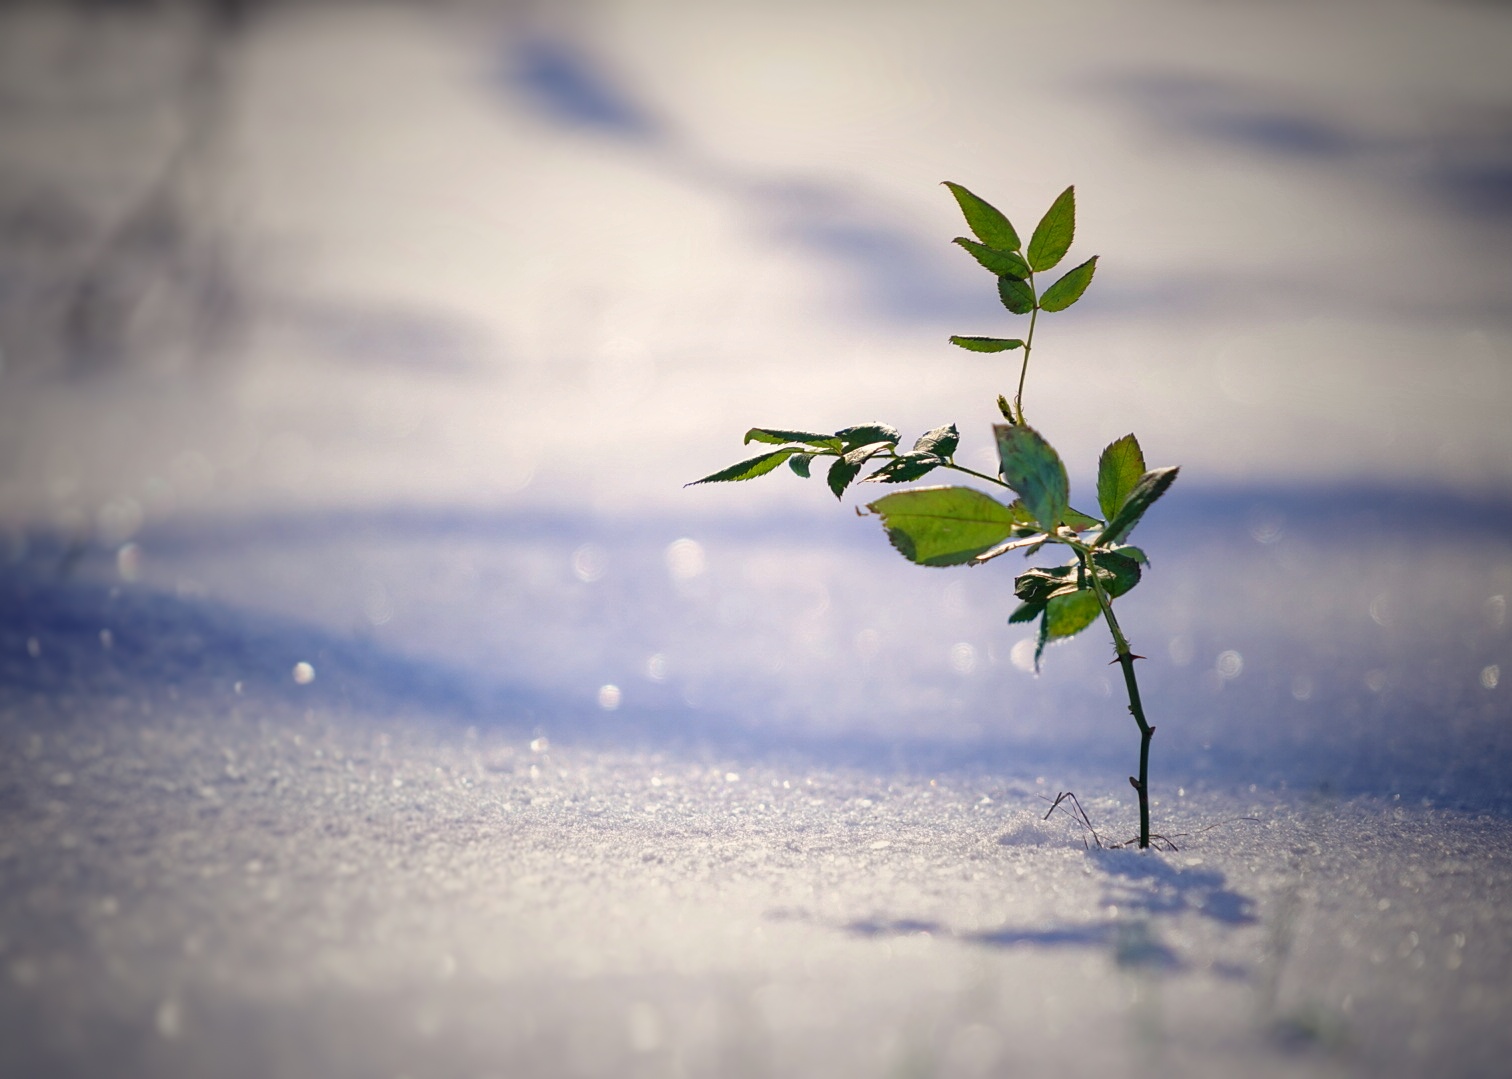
<point x="1147" y="891"/>
<point x="1156" y="887"/>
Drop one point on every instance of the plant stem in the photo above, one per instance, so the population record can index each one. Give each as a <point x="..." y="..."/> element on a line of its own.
<point x="974" y="472"/>
<point x="1018" y="397"/>
<point x="1126" y="658"/>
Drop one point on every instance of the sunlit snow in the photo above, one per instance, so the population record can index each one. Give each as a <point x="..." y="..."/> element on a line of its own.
<point x="375" y="699"/>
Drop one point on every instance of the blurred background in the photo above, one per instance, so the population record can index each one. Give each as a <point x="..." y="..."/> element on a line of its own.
<point x="381" y="339"/>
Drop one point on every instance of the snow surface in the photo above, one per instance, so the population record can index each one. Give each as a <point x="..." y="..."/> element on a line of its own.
<point x="375" y="701"/>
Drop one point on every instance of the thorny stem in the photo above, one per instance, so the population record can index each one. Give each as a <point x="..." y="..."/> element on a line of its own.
<point x="1126" y="658"/>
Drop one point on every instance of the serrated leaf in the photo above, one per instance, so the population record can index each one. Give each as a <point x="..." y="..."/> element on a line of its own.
<point x="865" y="434"/>
<point x="905" y="467"/>
<point x="1016" y="295"/>
<point x="1038" y="584"/>
<point x="999" y="262"/>
<point x="1065" y="615"/>
<point x="986" y="344"/>
<point x="985" y="220"/>
<point x="1069" y="288"/>
<point x="1079" y="521"/>
<point x="943" y="526"/>
<point x="1118" y="470"/>
<point x="1026" y="612"/>
<point x="1117" y="572"/>
<point x="747" y="470"/>
<point x="842" y="472"/>
<point x="1150" y="487"/>
<point x="1053" y="235"/>
<point x="1135" y="553"/>
<point x="778" y="437"/>
<point x="1022" y="538"/>
<point x="942" y="441"/>
<point x="1068" y="614"/>
<point x="799" y="463"/>
<point x="1034" y="470"/>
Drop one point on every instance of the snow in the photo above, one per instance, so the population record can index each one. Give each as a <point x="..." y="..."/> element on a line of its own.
<point x="374" y="700"/>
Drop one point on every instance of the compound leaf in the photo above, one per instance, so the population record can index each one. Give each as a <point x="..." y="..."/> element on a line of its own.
<point x="747" y="470"/>
<point x="986" y="344"/>
<point x="1016" y="295"/>
<point x="944" y="526"/>
<point x="1035" y="472"/>
<point x="1118" y="470"/>
<point x="985" y="220"/>
<point x="1053" y="235"/>
<point x="1069" y="288"/>
<point x="1002" y="263"/>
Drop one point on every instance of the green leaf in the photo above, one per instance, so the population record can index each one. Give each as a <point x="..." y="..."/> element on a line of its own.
<point x="985" y="220"/>
<point x="1038" y="584"/>
<point x="1035" y="472"/>
<point x="1026" y="612"/>
<point x="1023" y="538"/>
<point x="748" y="470"/>
<point x="1151" y="486"/>
<point x="1117" y="572"/>
<point x="866" y="434"/>
<point x="986" y="344"/>
<point x="1016" y="295"/>
<point x="844" y="470"/>
<point x="942" y="441"/>
<point x="999" y="262"/>
<point x="776" y="437"/>
<point x="1078" y="520"/>
<point x="1006" y="409"/>
<point x="1067" y="615"/>
<point x="1069" y="289"/>
<point x="799" y="463"/>
<point x="943" y="526"/>
<point x="1053" y="235"/>
<point x="905" y="467"/>
<point x="1118" y="470"/>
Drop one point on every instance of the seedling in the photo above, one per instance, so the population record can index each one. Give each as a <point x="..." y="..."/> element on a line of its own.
<point x="956" y="526"/>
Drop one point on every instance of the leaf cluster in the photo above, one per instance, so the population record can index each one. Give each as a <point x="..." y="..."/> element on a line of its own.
<point x="999" y="251"/>
<point x="950" y="526"/>
<point x="851" y="449"/>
